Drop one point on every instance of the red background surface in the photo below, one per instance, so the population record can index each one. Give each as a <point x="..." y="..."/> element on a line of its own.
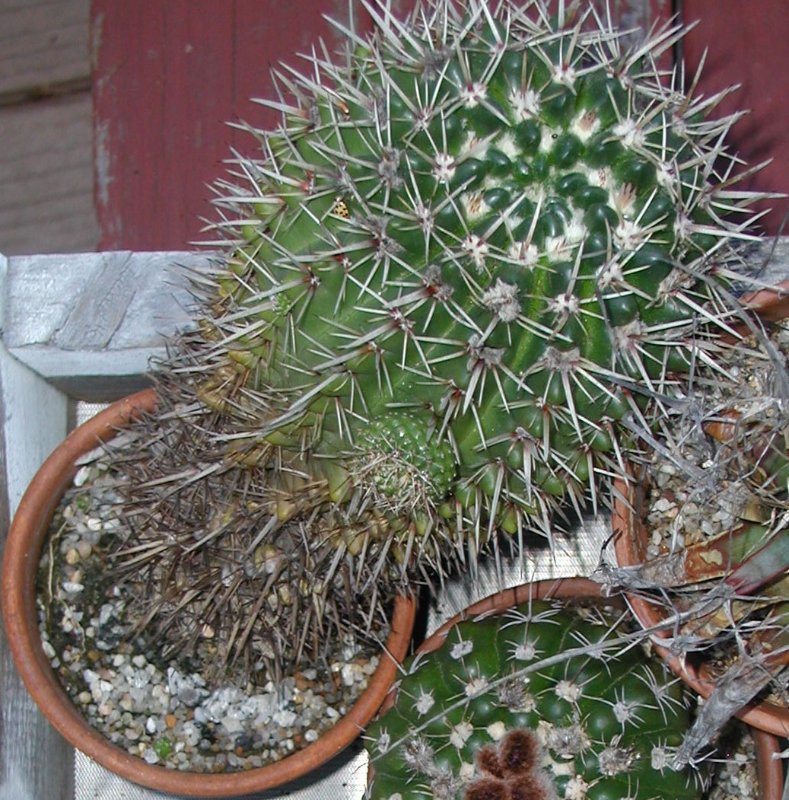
<point x="169" y="75"/>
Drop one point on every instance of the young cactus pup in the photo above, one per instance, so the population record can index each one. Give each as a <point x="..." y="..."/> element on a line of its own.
<point x="541" y="702"/>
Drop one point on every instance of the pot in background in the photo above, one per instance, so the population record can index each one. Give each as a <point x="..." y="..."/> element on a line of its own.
<point x="631" y="539"/>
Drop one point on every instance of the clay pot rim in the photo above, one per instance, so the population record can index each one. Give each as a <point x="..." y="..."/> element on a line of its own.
<point x="25" y="538"/>
<point x="501" y="601"/>
<point x="761" y="715"/>
<point x="771" y="305"/>
<point x="767" y="745"/>
<point x="505" y="599"/>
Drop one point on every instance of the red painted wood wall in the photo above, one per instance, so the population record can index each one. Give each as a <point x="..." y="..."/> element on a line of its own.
<point x="747" y="43"/>
<point x="169" y="74"/>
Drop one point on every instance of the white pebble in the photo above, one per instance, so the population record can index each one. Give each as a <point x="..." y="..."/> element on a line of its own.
<point x="84" y="548"/>
<point x="284" y="718"/>
<point x="233" y="724"/>
<point x="350" y="674"/>
<point x="369" y="667"/>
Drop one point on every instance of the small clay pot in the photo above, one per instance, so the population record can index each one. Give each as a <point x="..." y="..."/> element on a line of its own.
<point x="631" y="538"/>
<point x="769" y="766"/>
<point x="26" y="537"/>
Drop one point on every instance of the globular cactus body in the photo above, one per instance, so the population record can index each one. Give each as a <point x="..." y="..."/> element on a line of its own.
<point x="538" y="703"/>
<point x="479" y="247"/>
<point x="489" y="232"/>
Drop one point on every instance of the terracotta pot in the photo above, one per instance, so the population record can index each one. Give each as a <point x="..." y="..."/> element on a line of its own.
<point x="769" y="766"/>
<point x="631" y="538"/>
<point x="25" y="540"/>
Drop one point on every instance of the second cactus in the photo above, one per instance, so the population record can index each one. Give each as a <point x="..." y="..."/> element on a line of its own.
<point x="545" y="701"/>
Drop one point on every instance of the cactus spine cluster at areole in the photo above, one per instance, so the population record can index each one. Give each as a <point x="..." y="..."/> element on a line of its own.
<point x="476" y="245"/>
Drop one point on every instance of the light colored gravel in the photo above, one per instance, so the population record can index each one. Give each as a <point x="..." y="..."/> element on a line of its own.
<point x="166" y="713"/>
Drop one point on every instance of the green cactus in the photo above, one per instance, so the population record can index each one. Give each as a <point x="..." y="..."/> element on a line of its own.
<point x="476" y="250"/>
<point x="542" y="702"/>
<point x="493" y="229"/>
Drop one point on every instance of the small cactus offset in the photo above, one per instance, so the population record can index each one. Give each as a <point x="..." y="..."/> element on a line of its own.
<point x="542" y="702"/>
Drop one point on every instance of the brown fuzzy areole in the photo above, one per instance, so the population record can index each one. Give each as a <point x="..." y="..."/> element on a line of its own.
<point x="519" y="752"/>
<point x="510" y="771"/>
<point x="488" y="761"/>
<point x="487" y="789"/>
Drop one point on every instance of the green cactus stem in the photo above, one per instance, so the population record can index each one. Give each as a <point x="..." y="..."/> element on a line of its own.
<point x="546" y="701"/>
<point x="476" y="248"/>
<point x="496" y="223"/>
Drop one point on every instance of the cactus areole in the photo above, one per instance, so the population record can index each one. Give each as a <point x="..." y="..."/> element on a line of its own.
<point x="473" y="245"/>
<point x="535" y="704"/>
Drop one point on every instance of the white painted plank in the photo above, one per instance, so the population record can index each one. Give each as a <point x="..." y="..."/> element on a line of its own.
<point x="35" y="762"/>
<point x="43" y="43"/>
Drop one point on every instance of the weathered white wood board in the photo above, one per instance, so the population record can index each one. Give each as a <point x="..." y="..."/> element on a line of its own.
<point x="46" y="176"/>
<point x="34" y="761"/>
<point x="43" y="45"/>
<point x="91" y="322"/>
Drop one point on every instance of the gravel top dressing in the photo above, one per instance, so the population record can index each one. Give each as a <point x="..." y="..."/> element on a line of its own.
<point x="682" y="512"/>
<point x="164" y="711"/>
